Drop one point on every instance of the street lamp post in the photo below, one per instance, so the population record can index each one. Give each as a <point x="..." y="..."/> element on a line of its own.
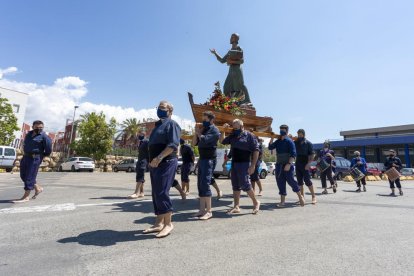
<point x="73" y="126"/>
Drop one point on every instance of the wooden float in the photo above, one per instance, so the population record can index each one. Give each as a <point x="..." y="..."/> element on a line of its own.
<point x="228" y="130"/>
<point x="251" y="121"/>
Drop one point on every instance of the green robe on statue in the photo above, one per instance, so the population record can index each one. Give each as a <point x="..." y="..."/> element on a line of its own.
<point x="234" y="84"/>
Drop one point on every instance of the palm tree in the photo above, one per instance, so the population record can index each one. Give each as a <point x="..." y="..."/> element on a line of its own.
<point x="131" y="127"/>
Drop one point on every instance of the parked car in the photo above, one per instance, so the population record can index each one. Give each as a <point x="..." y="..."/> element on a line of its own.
<point x="7" y="158"/>
<point x="313" y="169"/>
<point x="127" y="165"/>
<point x="263" y="169"/>
<point x="342" y="168"/>
<point x="407" y="172"/>
<point x="271" y="167"/>
<point x="76" y="164"/>
<point x="373" y="169"/>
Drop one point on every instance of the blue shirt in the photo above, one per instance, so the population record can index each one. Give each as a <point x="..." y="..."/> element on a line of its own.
<point x="143" y="150"/>
<point x="187" y="153"/>
<point x="37" y="144"/>
<point x="304" y="149"/>
<point x="245" y="141"/>
<point x="393" y="160"/>
<point x="323" y="153"/>
<point x="284" y="146"/>
<point x="209" y="137"/>
<point x="362" y="167"/>
<point x="165" y="134"/>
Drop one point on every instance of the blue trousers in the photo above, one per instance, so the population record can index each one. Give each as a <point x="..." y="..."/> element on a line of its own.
<point x="140" y="169"/>
<point x="205" y="176"/>
<point x="303" y="175"/>
<point x="282" y="177"/>
<point x="185" y="171"/>
<point x="162" y="178"/>
<point x="240" y="179"/>
<point x="29" y="167"/>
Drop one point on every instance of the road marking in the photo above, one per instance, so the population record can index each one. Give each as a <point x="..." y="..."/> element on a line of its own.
<point x="63" y="207"/>
<point x="43" y="208"/>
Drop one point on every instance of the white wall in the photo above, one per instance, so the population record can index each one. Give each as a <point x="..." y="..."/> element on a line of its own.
<point x="18" y="100"/>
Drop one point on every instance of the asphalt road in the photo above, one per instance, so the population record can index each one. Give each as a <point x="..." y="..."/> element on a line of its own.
<point x="83" y="225"/>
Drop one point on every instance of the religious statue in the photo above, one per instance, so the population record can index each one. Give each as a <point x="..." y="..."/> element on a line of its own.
<point x="234" y="85"/>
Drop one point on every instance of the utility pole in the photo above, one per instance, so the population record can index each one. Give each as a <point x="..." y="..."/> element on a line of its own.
<point x="73" y="126"/>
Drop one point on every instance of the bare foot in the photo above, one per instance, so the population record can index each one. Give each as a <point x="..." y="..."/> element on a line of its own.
<point x="280" y="205"/>
<point x="234" y="210"/>
<point x="219" y="195"/>
<point x="183" y="196"/>
<point x="22" y="200"/>
<point x="133" y="196"/>
<point x="314" y="201"/>
<point x="153" y="229"/>
<point x="141" y="195"/>
<point x="165" y="231"/>
<point x="256" y="208"/>
<point x="206" y="216"/>
<point x="301" y="201"/>
<point x="260" y="193"/>
<point x="198" y="215"/>
<point x="38" y="192"/>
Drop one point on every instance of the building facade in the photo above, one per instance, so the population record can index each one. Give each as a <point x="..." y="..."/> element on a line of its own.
<point x="374" y="143"/>
<point x="18" y="100"/>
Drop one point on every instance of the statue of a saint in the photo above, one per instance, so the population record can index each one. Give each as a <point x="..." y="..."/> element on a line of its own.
<point x="234" y="84"/>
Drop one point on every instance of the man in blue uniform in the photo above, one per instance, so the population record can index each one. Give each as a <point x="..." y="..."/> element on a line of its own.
<point x="360" y="163"/>
<point x="305" y="155"/>
<point x="286" y="154"/>
<point x="255" y="178"/>
<point x="394" y="161"/>
<point x="163" y="145"/>
<point x="327" y="155"/>
<point x="245" y="152"/>
<point x="141" y="166"/>
<point x="187" y="155"/>
<point x="36" y="146"/>
<point x="206" y="138"/>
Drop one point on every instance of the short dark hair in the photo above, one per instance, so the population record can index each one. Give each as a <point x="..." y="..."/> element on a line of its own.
<point x="209" y="114"/>
<point x="285" y="127"/>
<point x="37" y="122"/>
<point x="301" y="131"/>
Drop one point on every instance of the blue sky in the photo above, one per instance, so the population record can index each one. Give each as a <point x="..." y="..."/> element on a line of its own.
<point x="324" y="66"/>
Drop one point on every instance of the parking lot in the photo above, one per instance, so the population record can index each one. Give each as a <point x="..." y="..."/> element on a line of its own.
<point x="83" y="225"/>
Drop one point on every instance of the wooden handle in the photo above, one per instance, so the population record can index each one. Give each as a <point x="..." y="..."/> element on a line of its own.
<point x="230" y="129"/>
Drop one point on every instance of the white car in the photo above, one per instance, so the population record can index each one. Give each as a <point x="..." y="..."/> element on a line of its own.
<point x="270" y="167"/>
<point x="76" y="164"/>
<point x="7" y="158"/>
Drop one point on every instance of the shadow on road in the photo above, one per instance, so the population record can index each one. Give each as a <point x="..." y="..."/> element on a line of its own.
<point x="6" y="201"/>
<point x="351" y="191"/>
<point x="386" y="195"/>
<point x="106" y="237"/>
<point x="110" y="197"/>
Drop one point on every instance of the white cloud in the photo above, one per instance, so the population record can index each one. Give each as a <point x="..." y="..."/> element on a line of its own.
<point x="7" y="71"/>
<point x="54" y="103"/>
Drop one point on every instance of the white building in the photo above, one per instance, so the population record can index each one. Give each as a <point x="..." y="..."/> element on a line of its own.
<point x="18" y="100"/>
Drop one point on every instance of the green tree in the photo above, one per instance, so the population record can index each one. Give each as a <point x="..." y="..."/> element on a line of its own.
<point x="131" y="127"/>
<point x="8" y="122"/>
<point x="96" y="136"/>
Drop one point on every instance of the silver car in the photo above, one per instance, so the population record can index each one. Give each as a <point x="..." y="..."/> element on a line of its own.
<point x="127" y="165"/>
<point x="407" y="172"/>
<point x="7" y="158"/>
